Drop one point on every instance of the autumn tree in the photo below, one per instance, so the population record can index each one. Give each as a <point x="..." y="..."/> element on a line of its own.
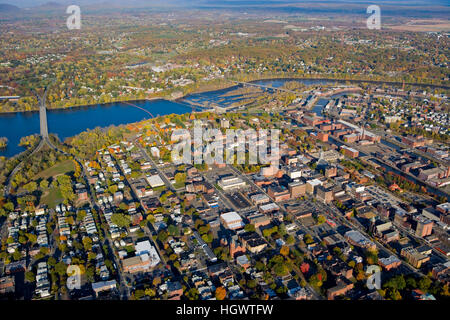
<point x="221" y="293"/>
<point x="284" y="250"/>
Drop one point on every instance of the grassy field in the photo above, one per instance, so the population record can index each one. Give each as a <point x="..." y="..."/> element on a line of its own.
<point x="60" y="168"/>
<point x="179" y="185"/>
<point x="52" y="198"/>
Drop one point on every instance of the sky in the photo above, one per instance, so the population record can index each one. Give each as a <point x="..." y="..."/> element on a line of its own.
<point x="31" y="3"/>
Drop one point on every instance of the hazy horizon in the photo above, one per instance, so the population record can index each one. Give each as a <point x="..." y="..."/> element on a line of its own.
<point x="193" y="3"/>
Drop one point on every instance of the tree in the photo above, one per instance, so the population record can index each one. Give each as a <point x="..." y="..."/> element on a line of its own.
<point x="281" y="269"/>
<point x="81" y="214"/>
<point x="17" y="255"/>
<point x="32" y="238"/>
<point x="9" y="206"/>
<point x="150" y="292"/>
<point x="260" y="266"/>
<point x="208" y="237"/>
<point x="321" y="219"/>
<point x="396" y="283"/>
<point x="395" y="295"/>
<point x="156" y="281"/>
<point x="290" y="240"/>
<point x="180" y="177"/>
<point x="192" y="294"/>
<point x="162" y="236"/>
<point x="138" y="294"/>
<point x="90" y="272"/>
<point x="252" y="283"/>
<point x="151" y="218"/>
<point x="31" y="187"/>
<point x="61" y="268"/>
<point x="424" y="284"/>
<point x="284" y="250"/>
<point x="411" y="283"/>
<point x="44" y="184"/>
<point x="221" y="293"/>
<point x="315" y="281"/>
<point x="173" y="230"/>
<point x="304" y="268"/>
<point x="372" y="256"/>
<point x="173" y="257"/>
<point x="51" y="261"/>
<point x="30" y="276"/>
<point x="87" y="243"/>
<point x="113" y="188"/>
<point x="308" y="239"/>
<point x="204" y="229"/>
<point x="250" y="228"/>
<point x="22" y="240"/>
<point x="65" y="186"/>
<point x="121" y="220"/>
<point x="198" y="223"/>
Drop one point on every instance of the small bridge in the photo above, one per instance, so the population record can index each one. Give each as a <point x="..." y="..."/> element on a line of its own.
<point x="44" y="139"/>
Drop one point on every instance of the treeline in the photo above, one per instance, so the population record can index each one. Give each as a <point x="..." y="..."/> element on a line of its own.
<point x="86" y="144"/>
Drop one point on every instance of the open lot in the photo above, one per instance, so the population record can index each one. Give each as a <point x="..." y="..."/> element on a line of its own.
<point x="52" y="197"/>
<point x="423" y="25"/>
<point x="61" y="168"/>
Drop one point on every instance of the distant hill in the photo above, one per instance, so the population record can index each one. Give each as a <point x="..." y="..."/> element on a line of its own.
<point x="51" y="5"/>
<point x="221" y="3"/>
<point x="8" y="8"/>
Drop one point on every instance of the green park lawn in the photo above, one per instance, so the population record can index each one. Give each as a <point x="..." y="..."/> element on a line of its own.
<point x="58" y="169"/>
<point x="52" y="197"/>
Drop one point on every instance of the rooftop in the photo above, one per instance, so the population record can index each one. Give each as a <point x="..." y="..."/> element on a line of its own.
<point x="155" y="181"/>
<point x="231" y="218"/>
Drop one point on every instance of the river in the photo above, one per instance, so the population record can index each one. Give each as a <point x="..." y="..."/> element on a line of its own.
<point x="71" y="121"/>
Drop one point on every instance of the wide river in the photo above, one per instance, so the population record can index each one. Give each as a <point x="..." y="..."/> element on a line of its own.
<point x="70" y="122"/>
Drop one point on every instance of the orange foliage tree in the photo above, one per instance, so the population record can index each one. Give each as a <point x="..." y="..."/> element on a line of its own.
<point x="221" y="293"/>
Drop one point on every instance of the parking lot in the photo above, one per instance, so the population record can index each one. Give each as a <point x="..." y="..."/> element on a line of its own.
<point x="381" y="195"/>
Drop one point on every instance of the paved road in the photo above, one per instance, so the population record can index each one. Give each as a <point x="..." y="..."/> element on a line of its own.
<point x="261" y="190"/>
<point x="7" y="188"/>
<point x="423" y="241"/>
<point x="432" y="189"/>
<point x="355" y="225"/>
<point x="43" y="117"/>
<point x="44" y="139"/>
<point x="317" y="296"/>
<point x="154" y="166"/>
<point x="391" y="139"/>
<point x="221" y="194"/>
<point x="136" y="198"/>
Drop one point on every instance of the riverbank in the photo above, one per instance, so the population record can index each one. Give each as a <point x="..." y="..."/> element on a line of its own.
<point x="254" y="78"/>
<point x="3" y="142"/>
<point x="69" y="122"/>
<point x="356" y="80"/>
